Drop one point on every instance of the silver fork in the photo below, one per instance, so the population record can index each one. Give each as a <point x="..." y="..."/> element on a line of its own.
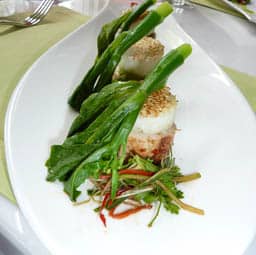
<point x="36" y="17"/>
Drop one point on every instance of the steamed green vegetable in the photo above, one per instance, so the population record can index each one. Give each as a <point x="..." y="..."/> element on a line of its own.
<point x="95" y="148"/>
<point x="97" y="102"/>
<point x="64" y="159"/>
<point x="109" y="30"/>
<point x="119" y="123"/>
<point x="106" y="158"/>
<point x="102" y="71"/>
<point x="136" y="13"/>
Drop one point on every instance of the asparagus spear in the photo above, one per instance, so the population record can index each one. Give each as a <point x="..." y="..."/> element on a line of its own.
<point x="108" y="61"/>
<point x="109" y="30"/>
<point x="124" y="117"/>
<point x="136" y="13"/>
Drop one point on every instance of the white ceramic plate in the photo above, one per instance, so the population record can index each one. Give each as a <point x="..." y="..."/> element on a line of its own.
<point x="217" y="138"/>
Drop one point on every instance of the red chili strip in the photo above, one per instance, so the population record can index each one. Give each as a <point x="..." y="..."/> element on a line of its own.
<point x="128" y="212"/>
<point x="103" y="205"/>
<point x="135" y="171"/>
<point x="107" y="201"/>
<point x="128" y="171"/>
<point x="103" y="219"/>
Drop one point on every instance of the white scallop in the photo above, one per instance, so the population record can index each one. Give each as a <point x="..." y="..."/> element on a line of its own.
<point x="155" y="125"/>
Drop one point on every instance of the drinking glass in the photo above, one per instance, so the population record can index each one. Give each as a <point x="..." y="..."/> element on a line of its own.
<point x="7" y="7"/>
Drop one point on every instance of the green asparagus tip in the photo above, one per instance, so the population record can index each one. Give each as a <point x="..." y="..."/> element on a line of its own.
<point x="164" y="9"/>
<point x="185" y="50"/>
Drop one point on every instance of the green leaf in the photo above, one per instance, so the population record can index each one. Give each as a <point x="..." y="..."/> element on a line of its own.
<point x="108" y="32"/>
<point x="166" y="179"/>
<point x="64" y="159"/>
<point x="170" y="207"/>
<point x="83" y="172"/>
<point x="145" y="164"/>
<point x="97" y="103"/>
<point x="150" y="197"/>
<point x="95" y="127"/>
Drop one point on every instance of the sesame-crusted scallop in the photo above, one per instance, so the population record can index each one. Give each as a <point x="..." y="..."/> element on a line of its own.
<point x="141" y="58"/>
<point x="154" y="130"/>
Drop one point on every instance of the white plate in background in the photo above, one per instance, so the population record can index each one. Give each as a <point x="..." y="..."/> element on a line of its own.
<point x="217" y="139"/>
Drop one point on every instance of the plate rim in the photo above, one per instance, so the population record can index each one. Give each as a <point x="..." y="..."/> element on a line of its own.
<point x="11" y="105"/>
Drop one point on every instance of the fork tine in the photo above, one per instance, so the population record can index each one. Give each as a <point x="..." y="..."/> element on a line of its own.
<point x="41" y="5"/>
<point x="47" y="8"/>
<point x="37" y="10"/>
<point x="40" y="12"/>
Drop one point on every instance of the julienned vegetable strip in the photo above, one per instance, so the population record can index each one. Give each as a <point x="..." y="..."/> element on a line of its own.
<point x="128" y="212"/>
<point x="136" y="172"/>
<point x="105" y="65"/>
<point x="130" y="171"/>
<point x="179" y="202"/>
<point x="187" y="178"/>
<point x="150" y="224"/>
<point x="103" y="205"/>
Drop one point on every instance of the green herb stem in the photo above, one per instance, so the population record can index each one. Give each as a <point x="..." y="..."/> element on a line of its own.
<point x="187" y="178"/>
<point x="155" y="176"/>
<point x="150" y="224"/>
<point x="133" y="176"/>
<point x="178" y="201"/>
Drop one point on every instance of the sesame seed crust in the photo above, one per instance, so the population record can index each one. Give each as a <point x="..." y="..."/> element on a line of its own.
<point x="158" y="102"/>
<point x="146" y="49"/>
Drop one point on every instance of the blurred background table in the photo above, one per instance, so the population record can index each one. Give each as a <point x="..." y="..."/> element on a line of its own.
<point x="229" y="40"/>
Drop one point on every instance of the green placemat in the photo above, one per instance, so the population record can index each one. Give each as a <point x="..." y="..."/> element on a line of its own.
<point x="21" y="47"/>
<point x="221" y="6"/>
<point x="246" y="83"/>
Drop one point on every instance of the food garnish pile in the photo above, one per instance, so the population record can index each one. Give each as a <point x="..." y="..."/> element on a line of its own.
<point x="121" y="139"/>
